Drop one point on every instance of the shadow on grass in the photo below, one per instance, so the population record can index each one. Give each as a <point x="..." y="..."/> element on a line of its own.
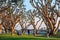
<point x="25" y="37"/>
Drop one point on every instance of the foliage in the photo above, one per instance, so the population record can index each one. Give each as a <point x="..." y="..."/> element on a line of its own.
<point x="48" y="13"/>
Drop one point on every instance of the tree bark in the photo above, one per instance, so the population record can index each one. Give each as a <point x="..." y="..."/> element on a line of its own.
<point x="0" y="28"/>
<point x="35" y="31"/>
<point x="6" y="30"/>
<point x="23" y="31"/>
<point x="13" y="31"/>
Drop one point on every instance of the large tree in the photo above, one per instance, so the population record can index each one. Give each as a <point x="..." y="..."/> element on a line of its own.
<point x="31" y="20"/>
<point x="48" y="13"/>
<point x="10" y="15"/>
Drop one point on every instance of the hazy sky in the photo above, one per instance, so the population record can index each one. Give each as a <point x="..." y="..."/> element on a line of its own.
<point x="29" y="7"/>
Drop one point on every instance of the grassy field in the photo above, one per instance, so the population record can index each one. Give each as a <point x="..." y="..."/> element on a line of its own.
<point x="24" y="37"/>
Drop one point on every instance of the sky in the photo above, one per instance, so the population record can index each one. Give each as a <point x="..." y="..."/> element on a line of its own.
<point x="29" y="7"/>
<point x="18" y="27"/>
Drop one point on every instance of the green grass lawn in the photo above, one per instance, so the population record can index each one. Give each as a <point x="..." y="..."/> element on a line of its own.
<point x="24" y="37"/>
